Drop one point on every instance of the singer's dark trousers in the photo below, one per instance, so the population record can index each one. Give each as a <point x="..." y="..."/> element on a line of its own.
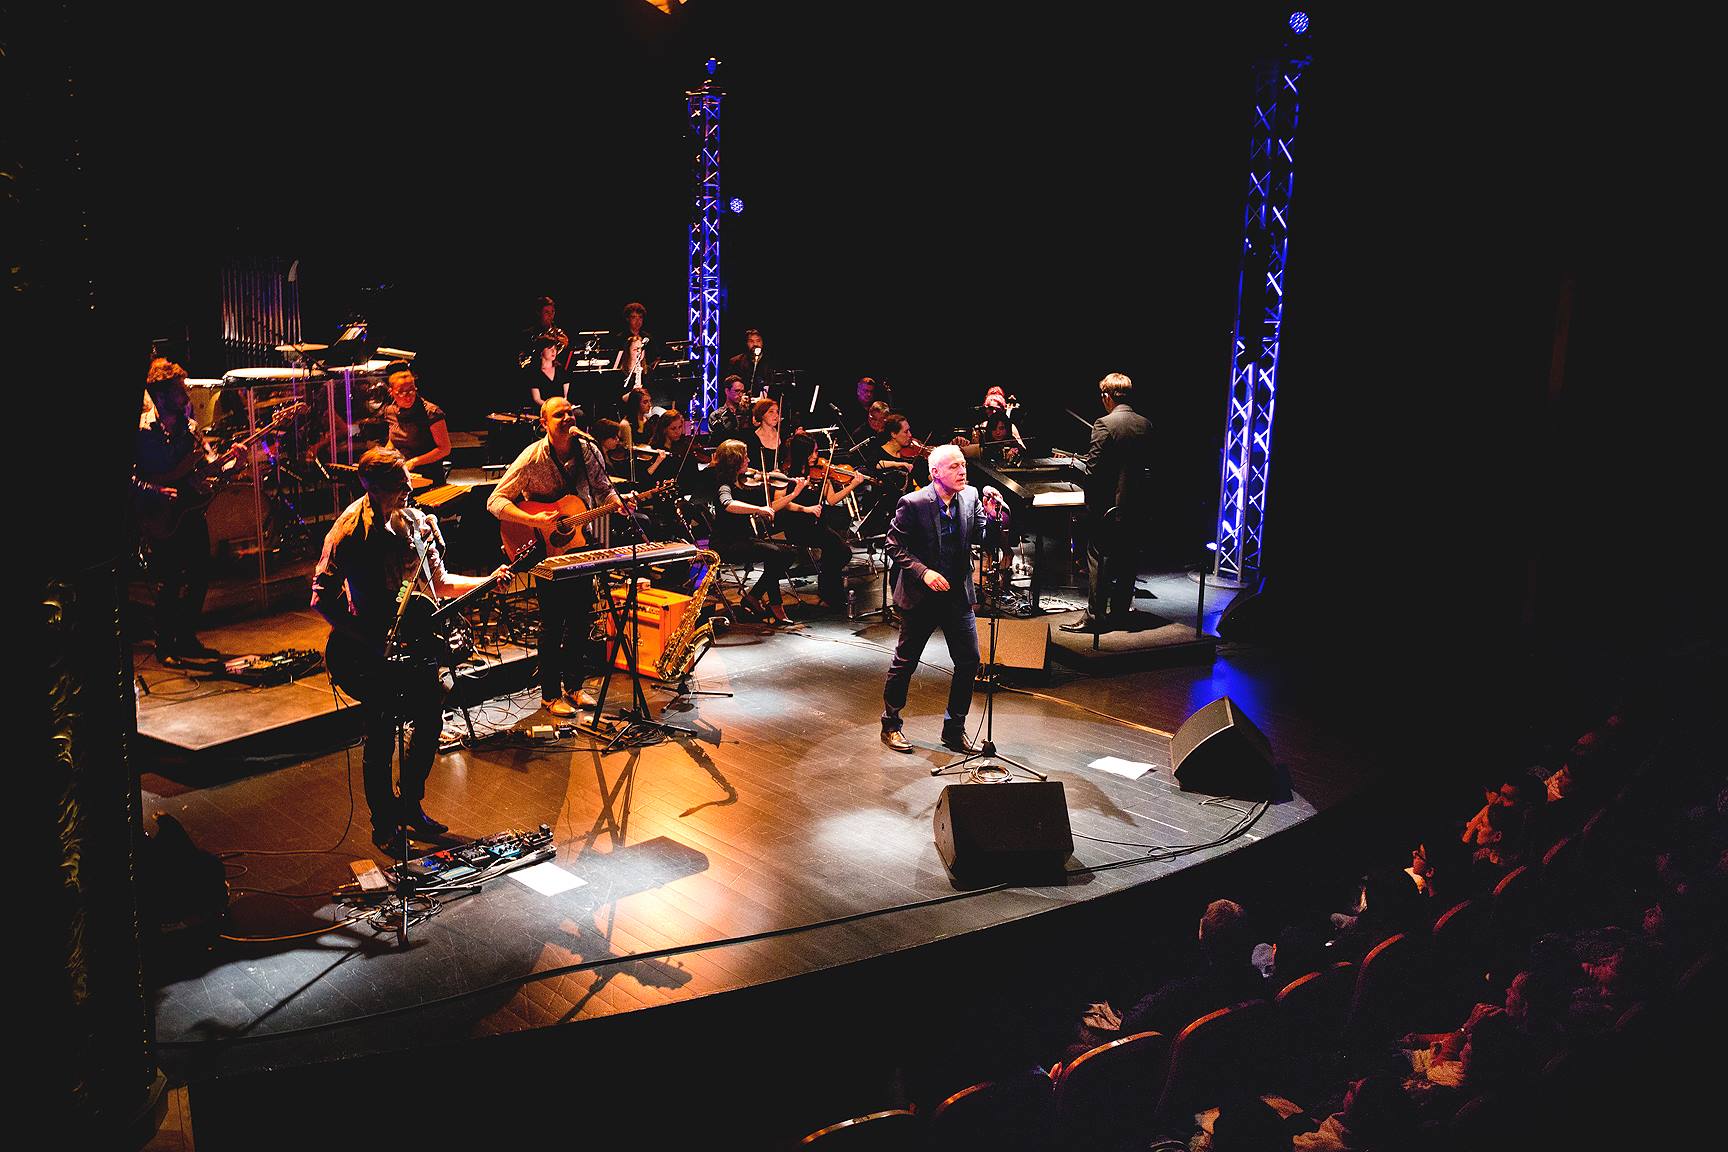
<point x="949" y="612"/>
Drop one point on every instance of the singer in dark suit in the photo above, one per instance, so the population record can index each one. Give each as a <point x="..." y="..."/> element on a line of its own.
<point x="1118" y="499"/>
<point x="930" y="544"/>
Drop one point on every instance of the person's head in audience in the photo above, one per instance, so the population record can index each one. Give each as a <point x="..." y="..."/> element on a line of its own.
<point x="1224" y="933"/>
<point x="1248" y="1124"/>
<point x="1389" y="897"/>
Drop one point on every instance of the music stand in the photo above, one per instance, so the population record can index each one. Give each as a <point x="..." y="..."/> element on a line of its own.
<point x="987" y="750"/>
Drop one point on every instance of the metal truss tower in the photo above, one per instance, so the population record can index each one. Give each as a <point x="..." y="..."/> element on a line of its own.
<point x="1247" y="460"/>
<point x="703" y="108"/>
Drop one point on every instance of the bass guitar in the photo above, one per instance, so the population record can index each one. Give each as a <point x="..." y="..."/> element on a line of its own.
<point x="427" y="633"/>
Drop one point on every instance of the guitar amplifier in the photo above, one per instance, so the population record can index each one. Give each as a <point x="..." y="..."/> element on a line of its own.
<point x="658" y="614"/>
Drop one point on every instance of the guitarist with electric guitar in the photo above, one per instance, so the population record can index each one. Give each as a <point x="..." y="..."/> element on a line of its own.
<point x="174" y="478"/>
<point x="391" y="646"/>
<point x="557" y="491"/>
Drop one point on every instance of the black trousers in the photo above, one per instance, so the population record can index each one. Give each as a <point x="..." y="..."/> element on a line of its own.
<point x="773" y="556"/>
<point x="566" y="624"/>
<point x="949" y="612"/>
<point x="413" y="692"/>
<point x="810" y="532"/>
<point x="179" y="577"/>
<point x="1112" y="562"/>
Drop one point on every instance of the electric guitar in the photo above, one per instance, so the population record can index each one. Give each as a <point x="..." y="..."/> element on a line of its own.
<point x="196" y="479"/>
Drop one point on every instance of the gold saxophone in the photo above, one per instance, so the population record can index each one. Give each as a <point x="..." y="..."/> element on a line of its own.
<point x="686" y="646"/>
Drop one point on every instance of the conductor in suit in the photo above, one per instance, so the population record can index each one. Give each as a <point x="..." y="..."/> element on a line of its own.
<point x="930" y="543"/>
<point x="1118" y="466"/>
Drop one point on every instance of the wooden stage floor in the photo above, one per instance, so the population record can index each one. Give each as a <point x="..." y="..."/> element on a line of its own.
<point x="781" y="839"/>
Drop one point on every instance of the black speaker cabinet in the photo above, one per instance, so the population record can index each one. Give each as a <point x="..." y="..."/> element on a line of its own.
<point x="1016" y="831"/>
<point x="1219" y="751"/>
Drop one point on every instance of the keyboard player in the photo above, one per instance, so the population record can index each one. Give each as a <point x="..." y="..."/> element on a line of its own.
<point x="563" y="462"/>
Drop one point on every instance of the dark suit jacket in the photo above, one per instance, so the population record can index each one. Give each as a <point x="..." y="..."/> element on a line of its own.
<point x="914" y="540"/>
<point x="1119" y="463"/>
<point x="746" y="366"/>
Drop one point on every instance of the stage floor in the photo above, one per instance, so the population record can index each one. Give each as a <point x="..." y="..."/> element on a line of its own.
<point x="781" y="838"/>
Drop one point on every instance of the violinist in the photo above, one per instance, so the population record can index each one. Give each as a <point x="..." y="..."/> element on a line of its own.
<point x="675" y="453"/>
<point x="870" y="435"/>
<point x="900" y="459"/>
<point x="639" y="409"/>
<point x="764" y="443"/>
<point x="741" y="500"/>
<point x="804" y="520"/>
<point x="996" y="441"/>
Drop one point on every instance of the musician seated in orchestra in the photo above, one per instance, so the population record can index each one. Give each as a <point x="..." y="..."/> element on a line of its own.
<point x="816" y="517"/>
<point x="375" y="546"/>
<point x="732" y="419"/>
<point x="167" y="451"/>
<point x="869" y="436"/>
<point x="745" y="509"/>
<point x="417" y="427"/>
<point x="679" y="456"/>
<point x="996" y="441"/>
<point x="546" y="375"/>
<point x="637" y="353"/>
<point x="564" y="463"/>
<point x="638" y="413"/>
<point x="899" y="458"/>
<point x="542" y="314"/>
<point x="764" y="439"/>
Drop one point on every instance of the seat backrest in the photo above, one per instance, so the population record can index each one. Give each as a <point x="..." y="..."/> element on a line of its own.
<point x="1108" y="1094"/>
<point x="1220" y="1053"/>
<point x="1015" y="1114"/>
<point x="895" y="1128"/>
<point x="1311" y="1009"/>
<point x="1388" y="991"/>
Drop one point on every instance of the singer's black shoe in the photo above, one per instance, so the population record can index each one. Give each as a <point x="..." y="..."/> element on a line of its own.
<point x="957" y="742"/>
<point x="897" y="741"/>
<point x="1085" y="624"/>
<point x="416" y="821"/>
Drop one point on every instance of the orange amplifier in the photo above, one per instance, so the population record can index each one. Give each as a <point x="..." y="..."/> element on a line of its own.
<point x="658" y="614"/>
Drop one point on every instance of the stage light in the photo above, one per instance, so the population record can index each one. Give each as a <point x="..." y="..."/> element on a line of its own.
<point x="1299" y="22"/>
<point x="714" y="65"/>
<point x="737" y="205"/>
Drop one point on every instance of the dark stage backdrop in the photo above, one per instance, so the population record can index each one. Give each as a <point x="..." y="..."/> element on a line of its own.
<point x="950" y="201"/>
<point x="944" y="202"/>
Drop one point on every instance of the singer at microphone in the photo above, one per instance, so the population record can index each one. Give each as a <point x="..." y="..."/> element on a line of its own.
<point x="753" y="365"/>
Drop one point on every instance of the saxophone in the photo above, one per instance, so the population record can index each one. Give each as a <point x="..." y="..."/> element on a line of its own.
<point x="686" y="646"/>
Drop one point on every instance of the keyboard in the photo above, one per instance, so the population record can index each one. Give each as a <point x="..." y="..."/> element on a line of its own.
<point x="592" y="560"/>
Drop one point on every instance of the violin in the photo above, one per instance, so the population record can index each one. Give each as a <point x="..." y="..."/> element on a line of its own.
<point x="752" y="478"/>
<point x="837" y="472"/>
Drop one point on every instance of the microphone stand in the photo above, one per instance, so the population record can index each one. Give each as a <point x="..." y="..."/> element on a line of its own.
<point x="1000" y="770"/>
<point x="637" y="717"/>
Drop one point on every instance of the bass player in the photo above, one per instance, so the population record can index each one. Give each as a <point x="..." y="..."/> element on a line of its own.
<point x="377" y="551"/>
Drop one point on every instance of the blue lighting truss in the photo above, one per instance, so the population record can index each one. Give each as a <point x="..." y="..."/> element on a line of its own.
<point x="703" y="108"/>
<point x="1247" y="462"/>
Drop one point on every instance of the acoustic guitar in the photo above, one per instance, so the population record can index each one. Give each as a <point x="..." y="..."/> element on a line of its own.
<point x="565" y="534"/>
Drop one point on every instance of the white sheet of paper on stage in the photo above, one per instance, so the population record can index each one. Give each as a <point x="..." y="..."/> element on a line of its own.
<point x="1132" y="769"/>
<point x="548" y="879"/>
